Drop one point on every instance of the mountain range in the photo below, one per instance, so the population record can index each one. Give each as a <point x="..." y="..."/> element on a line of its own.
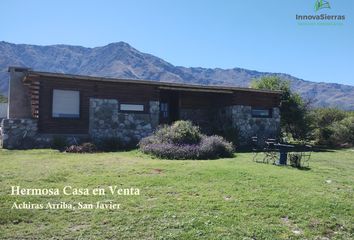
<point x="122" y="60"/>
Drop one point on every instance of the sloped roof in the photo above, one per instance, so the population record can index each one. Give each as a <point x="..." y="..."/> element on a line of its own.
<point x="163" y="85"/>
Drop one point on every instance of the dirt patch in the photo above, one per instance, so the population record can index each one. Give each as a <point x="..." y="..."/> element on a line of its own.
<point x="157" y="171"/>
<point x="294" y="229"/>
<point x="314" y="223"/>
<point x="227" y="198"/>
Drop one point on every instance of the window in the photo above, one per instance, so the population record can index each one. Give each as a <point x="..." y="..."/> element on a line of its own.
<point x="164" y="110"/>
<point x="66" y="104"/>
<point x="132" y="107"/>
<point x="261" y="113"/>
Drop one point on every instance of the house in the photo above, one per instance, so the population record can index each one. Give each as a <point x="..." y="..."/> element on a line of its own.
<point x="43" y="105"/>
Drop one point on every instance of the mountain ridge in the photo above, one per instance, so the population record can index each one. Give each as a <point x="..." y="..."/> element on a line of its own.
<point x="119" y="59"/>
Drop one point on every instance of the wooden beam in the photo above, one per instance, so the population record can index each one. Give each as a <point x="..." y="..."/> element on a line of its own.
<point x="195" y="89"/>
<point x="34" y="87"/>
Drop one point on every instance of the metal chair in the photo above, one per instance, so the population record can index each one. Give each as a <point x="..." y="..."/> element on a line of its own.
<point x="255" y="148"/>
<point x="270" y="152"/>
<point x="301" y="159"/>
<point x="306" y="155"/>
<point x="264" y="150"/>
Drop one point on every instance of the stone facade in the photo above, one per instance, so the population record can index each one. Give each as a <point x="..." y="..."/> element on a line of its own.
<point x="241" y="118"/>
<point x="107" y="121"/>
<point x="23" y="134"/>
<point x="14" y="132"/>
<point x="237" y="117"/>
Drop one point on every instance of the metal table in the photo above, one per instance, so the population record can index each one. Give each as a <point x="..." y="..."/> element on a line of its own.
<point x="283" y="151"/>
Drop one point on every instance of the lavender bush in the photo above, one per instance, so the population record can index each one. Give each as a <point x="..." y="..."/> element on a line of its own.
<point x="215" y="147"/>
<point x="182" y="140"/>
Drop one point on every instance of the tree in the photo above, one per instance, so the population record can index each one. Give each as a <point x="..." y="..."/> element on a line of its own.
<point x="332" y="127"/>
<point x="3" y="99"/>
<point x="293" y="109"/>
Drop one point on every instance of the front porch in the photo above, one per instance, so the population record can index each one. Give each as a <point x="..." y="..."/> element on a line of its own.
<point x="200" y="107"/>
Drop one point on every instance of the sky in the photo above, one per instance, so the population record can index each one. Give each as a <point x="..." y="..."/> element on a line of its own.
<point x="257" y="35"/>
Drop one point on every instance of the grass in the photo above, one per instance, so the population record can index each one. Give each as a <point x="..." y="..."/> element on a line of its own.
<point x="218" y="199"/>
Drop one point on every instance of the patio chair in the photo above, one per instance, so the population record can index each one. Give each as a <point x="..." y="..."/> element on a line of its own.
<point x="301" y="159"/>
<point x="306" y="155"/>
<point x="271" y="154"/>
<point x="256" y="149"/>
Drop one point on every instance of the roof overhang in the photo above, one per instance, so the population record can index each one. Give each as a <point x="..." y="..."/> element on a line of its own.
<point x="191" y="89"/>
<point x="30" y="75"/>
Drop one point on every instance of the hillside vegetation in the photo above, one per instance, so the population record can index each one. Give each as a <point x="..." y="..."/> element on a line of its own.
<point x="122" y="60"/>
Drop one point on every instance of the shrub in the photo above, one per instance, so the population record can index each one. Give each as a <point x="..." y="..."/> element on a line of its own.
<point x="182" y="140"/>
<point x="342" y="133"/>
<point x="215" y="147"/>
<point x="332" y="127"/>
<point x="327" y="116"/>
<point x="83" y="148"/>
<point x="73" y="149"/>
<point x="88" y="147"/>
<point x="171" y="151"/>
<point x="181" y="132"/>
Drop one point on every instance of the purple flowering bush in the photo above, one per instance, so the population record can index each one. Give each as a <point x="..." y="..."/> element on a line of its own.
<point x="183" y="140"/>
<point x="215" y="147"/>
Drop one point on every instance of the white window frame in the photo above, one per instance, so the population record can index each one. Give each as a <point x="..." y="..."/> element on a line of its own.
<point x="65" y="103"/>
<point x="131" y="107"/>
<point x="257" y="115"/>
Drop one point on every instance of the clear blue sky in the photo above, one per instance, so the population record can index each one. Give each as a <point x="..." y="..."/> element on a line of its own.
<point x="259" y="35"/>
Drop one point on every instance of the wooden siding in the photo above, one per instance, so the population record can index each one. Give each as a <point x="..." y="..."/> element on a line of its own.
<point x="256" y="99"/>
<point x="204" y="100"/>
<point x="195" y="100"/>
<point x="123" y="92"/>
<point x="126" y="92"/>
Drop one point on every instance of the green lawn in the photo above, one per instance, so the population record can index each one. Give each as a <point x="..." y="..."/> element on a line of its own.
<point x="217" y="199"/>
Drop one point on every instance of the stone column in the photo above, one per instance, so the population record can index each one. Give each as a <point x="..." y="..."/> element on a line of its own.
<point x="19" y="96"/>
<point x="103" y="121"/>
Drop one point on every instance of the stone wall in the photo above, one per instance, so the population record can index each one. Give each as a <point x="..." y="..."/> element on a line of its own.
<point x="23" y="134"/>
<point x="241" y="118"/>
<point x="15" y="132"/>
<point x="107" y="121"/>
<point x="237" y="117"/>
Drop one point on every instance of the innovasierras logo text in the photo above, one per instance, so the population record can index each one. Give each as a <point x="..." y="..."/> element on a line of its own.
<point x="320" y="17"/>
<point x="319" y="5"/>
